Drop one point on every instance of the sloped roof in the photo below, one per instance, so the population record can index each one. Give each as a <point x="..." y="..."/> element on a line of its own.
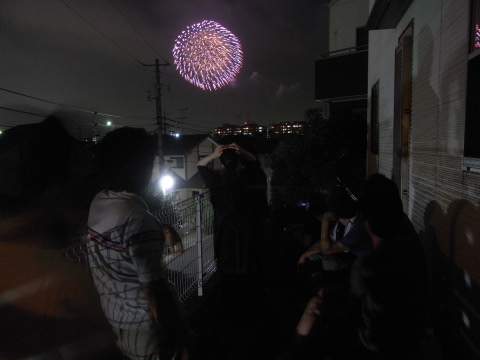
<point x="179" y="182"/>
<point x="182" y="144"/>
<point x="195" y="182"/>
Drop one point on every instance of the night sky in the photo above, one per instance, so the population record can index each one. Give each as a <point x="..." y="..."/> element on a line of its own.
<point x="87" y="55"/>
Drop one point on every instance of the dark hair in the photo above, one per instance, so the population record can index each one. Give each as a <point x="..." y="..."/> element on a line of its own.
<point x="125" y="159"/>
<point x="343" y="205"/>
<point x="318" y="203"/>
<point x="230" y="160"/>
<point x="381" y="205"/>
<point x="244" y="141"/>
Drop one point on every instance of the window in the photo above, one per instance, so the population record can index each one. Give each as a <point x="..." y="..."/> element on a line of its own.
<point x="176" y="162"/>
<point x="374" y="135"/>
<point x="471" y="150"/>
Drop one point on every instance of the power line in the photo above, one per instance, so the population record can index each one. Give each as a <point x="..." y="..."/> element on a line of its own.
<point x="135" y="29"/>
<point x="76" y="108"/>
<point x="20" y="111"/>
<point x="190" y="124"/>
<point x="185" y="128"/>
<point x="187" y="123"/>
<point x="101" y="32"/>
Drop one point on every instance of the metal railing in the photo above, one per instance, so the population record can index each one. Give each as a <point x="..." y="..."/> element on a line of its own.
<point x="193" y="220"/>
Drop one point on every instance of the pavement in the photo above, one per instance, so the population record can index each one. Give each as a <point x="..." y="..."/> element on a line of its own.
<point x="245" y="319"/>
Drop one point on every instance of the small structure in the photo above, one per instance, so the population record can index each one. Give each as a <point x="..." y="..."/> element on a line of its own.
<point x="181" y="155"/>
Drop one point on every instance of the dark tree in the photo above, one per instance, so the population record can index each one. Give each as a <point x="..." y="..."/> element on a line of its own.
<point x="311" y="162"/>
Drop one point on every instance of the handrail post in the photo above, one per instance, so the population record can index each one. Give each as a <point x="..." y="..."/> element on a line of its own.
<point x="198" y="219"/>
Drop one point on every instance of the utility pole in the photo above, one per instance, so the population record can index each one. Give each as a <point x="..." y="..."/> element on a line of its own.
<point x="158" y="102"/>
<point x="182" y="117"/>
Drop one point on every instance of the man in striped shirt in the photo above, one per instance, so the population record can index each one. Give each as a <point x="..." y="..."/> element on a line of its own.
<point x="125" y="253"/>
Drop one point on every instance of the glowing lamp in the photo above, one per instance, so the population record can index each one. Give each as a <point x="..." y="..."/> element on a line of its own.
<point x="166" y="182"/>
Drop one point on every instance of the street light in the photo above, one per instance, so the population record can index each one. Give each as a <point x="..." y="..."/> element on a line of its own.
<point x="109" y="123"/>
<point x="166" y="182"/>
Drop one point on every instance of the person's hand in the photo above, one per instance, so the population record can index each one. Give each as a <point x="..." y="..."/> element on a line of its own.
<point x="313" y="306"/>
<point x="218" y="151"/>
<point x="173" y="240"/>
<point x="244" y="153"/>
<point x="310" y="314"/>
<point x="235" y="147"/>
<point x="303" y="259"/>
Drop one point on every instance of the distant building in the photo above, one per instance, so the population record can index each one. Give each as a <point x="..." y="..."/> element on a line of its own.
<point x="285" y="128"/>
<point x="282" y="128"/>
<point x="245" y="129"/>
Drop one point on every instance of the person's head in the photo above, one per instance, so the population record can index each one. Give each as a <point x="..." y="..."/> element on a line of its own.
<point x="246" y="142"/>
<point x="125" y="159"/>
<point x="381" y="206"/>
<point x="230" y="160"/>
<point x="342" y="205"/>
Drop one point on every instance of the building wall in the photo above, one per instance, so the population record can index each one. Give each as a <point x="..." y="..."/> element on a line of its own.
<point x="205" y="148"/>
<point x="345" y="17"/>
<point x="443" y="199"/>
<point x="179" y="171"/>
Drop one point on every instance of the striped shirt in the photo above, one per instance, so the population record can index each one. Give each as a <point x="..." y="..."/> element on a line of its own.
<point x="125" y="249"/>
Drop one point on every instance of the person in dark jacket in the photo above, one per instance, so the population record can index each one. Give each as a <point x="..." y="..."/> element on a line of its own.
<point x="238" y="196"/>
<point x="390" y="282"/>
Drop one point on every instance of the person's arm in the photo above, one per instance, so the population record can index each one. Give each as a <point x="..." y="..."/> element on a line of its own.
<point x="312" y="250"/>
<point x="214" y="155"/>
<point x="165" y="311"/>
<point x="327" y="245"/>
<point x="172" y="239"/>
<point x="335" y="247"/>
<point x="310" y="315"/>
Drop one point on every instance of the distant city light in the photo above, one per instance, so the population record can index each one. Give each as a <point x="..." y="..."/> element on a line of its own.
<point x="208" y="55"/>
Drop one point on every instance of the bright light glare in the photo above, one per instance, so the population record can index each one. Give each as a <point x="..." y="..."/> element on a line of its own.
<point x="177" y="135"/>
<point x="109" y="123"/>
<point x="166" y="182"/>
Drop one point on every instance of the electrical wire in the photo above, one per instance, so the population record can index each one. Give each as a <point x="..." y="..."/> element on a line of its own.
<point x="190" y="129"/>
<point x="135" y="29"/>
<point x="22" y="112"/>
<point x="101" y="33"/>
<point x="190" y="124"/>
<point x="76" y="108"/>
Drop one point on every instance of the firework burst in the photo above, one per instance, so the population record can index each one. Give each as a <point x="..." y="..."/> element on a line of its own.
<point x="208" y="55"/>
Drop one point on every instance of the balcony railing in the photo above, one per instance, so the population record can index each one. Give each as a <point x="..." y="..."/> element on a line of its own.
<point x="342" y="75"/>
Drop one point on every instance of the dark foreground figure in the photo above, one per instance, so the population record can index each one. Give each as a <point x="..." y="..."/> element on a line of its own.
<point x="383" y="314"/>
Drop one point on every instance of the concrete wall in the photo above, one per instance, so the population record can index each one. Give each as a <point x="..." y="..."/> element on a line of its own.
<point x="345" y="17"/>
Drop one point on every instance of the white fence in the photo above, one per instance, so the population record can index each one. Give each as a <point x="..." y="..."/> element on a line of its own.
<point x="193" y="220"/>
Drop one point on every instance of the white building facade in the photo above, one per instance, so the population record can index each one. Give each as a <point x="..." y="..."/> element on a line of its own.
<point x="422" y="115"/>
